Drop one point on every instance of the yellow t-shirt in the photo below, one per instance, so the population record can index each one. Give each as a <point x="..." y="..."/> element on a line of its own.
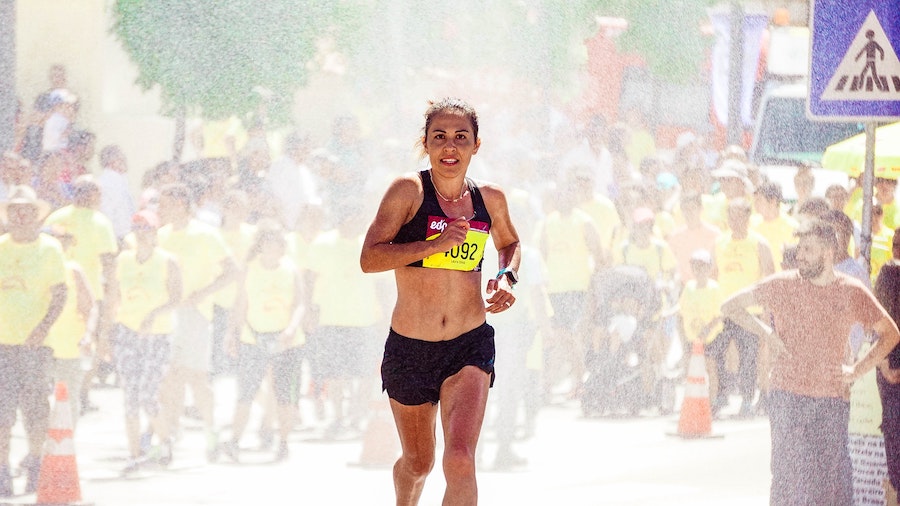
<point x="143" y="287"/>
<point x="92" y="236"/>
<point x="345" y="296"/>
<point x="568" y="260"/>
<point x="68" y="330"/>
<point x="270" y="295"/>
<point x="657" y="258"/>
<point x="778" y="233"/>
<point x="715" y="210"/>
<point x="698" y="307"/>
<point x="224" y="138"/>
<point x="605" y="217"/>
<point x="27" y="273"/>
<point x="298" y="250"/>
<point x="199" y="250"/>
<point x="640" y="145"/>
<point x="882" y="242"/>
<point x="738" y="262"/>
<point x="853" y="207"/>
<point x="890" y="219"/>
<point x="238" y="241"/>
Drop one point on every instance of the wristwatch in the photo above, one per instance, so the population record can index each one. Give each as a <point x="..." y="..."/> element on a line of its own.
<point x="510" y="274"/>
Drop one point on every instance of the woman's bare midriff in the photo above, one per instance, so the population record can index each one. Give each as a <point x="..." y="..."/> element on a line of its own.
<point x="437" y="304"/>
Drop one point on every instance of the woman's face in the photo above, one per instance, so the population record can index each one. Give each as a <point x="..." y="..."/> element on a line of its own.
<point x="450" y="143"/>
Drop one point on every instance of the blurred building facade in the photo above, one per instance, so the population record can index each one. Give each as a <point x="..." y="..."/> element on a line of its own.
<point x="77" y="34"/>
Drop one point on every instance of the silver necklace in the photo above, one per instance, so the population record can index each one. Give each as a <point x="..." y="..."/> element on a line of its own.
<point x="462" y="193"/>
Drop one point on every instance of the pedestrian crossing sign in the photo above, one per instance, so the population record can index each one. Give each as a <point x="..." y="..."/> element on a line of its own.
<point x="854" y="68"/>
<point x="869" y="70"/>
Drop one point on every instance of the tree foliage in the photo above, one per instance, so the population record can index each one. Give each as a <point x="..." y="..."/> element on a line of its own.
<point x="218" y="58"/>
<point x="665" y="32"/>
<point x="541" y="42"/>
<point x="211" y="58"/>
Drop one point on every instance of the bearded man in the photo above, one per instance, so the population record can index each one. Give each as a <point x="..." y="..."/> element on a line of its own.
<point x="810" y="312"/>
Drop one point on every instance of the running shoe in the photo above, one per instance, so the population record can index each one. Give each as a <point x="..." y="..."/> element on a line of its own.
<point x="231" y="450"/>
<point x="161" y="454"/>
<point x="283" y="452"/>
<point x="266" y="438"/>
<point x="212" y="446"/>
<point x="146" y="442"/>
<point x="134" y="464"/>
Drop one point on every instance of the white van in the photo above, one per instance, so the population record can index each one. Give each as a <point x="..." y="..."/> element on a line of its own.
<point x="784" y="137"/>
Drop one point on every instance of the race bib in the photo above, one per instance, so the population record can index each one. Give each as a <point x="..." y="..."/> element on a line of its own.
<point x="465" y="257"/>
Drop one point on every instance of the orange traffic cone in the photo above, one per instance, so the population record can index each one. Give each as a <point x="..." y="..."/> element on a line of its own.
<point x="381" y="444"/>
<point x="696" y="412"/>
<point x="58" y="481"/>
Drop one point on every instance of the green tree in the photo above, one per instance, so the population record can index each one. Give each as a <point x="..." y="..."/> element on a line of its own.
<point x="666" y="32"/>
<point x="541" y="41"/>
<point x="220" y="58"/>
<point x="212" y="58"/>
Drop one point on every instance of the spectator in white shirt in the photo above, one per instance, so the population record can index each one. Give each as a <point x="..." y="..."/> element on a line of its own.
<point x="116" y="201"/>
<point x="291" y="180"/>
<point x="58" y="125"/>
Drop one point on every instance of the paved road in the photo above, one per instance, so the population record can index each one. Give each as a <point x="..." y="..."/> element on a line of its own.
<point x="571" y="460"/>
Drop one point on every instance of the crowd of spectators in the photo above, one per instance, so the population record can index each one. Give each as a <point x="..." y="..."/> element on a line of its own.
<point x="246" y="261"/>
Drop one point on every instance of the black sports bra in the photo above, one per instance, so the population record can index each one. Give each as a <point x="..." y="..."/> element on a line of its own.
<point x="430" y="220"/>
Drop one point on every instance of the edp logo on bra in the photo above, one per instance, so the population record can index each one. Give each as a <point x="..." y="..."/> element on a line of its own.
<point x="436" y="223"/>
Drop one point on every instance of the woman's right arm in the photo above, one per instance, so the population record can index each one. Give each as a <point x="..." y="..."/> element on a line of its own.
<point x="397" y="207"/>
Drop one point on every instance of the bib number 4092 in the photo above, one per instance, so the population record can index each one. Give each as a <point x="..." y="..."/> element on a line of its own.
<point x="465" y="251"/>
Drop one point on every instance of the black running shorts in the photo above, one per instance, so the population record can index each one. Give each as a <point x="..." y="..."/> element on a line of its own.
<point x="413" y="370"/>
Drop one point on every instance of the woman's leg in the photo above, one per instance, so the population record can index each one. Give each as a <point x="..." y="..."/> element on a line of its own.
<point x="463" y="399"/>
<point x="415" y="425"/>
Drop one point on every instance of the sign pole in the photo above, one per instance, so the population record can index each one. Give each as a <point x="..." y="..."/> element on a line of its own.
<point x="868" y="182"/>
<point x="735" y="75"/>
<point x="7" y="73"/>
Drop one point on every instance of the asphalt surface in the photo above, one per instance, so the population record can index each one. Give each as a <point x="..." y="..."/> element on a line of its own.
<point x="570" y="460"/>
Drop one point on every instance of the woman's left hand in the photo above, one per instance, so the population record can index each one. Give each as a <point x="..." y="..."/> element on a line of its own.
<point x="501" y="297"/>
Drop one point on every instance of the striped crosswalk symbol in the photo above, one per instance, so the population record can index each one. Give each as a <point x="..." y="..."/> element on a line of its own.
<point x="869" y="69"/>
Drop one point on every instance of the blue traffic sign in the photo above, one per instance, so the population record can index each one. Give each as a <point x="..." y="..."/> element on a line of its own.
<point x="854" y="68"/>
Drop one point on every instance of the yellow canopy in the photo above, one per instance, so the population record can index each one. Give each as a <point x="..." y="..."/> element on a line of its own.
<point x="849" y="155"/>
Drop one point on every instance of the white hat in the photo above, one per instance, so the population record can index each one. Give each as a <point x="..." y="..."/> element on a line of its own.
<point x="24" y="195"/>
<point x="701" y="255"/>
<point x="736" y="169"/>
